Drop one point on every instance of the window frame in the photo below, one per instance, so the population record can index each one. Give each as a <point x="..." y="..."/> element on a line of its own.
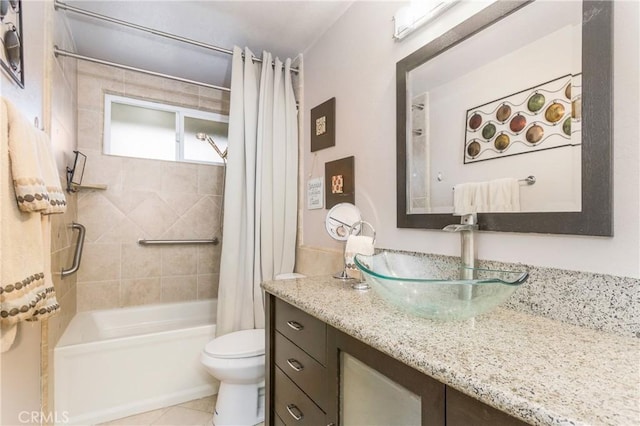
<point x="180" y="113"/>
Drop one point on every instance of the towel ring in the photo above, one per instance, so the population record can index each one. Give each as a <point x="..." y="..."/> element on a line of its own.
<point x="357" y="227"/>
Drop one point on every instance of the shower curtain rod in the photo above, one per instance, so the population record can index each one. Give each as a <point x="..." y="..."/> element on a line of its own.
<point x="61" y="5"/>
<point x="61" y="52"/>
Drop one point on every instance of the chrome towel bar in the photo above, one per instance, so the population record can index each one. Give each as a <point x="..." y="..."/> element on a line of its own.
<point x="529" y="180"/>
<point x="214" y="241"/>
<point x="77" y="256"/>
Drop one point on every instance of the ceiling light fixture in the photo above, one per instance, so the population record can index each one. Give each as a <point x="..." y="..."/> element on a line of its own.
<point x="418" y="13"/>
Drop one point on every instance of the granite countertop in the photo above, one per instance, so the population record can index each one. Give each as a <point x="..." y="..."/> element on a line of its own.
<point x="536" y="369"/>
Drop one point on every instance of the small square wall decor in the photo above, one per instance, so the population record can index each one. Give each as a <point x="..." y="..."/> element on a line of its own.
<point x="323" y="125"/>
<point x="339" y="178"/>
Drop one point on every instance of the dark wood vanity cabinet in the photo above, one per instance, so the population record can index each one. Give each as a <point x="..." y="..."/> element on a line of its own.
<point x="298" y="389"/>
<point x="303" y="356"/>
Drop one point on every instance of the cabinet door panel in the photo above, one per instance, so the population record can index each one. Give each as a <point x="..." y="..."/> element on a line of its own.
<point x="392" y="373"/>
<point x="369" y="398"/>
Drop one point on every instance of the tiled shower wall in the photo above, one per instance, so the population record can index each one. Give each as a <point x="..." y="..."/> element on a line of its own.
<point x="150" y="199"/>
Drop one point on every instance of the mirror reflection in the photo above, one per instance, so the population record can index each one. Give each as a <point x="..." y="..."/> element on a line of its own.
<point x="505" y="103"/>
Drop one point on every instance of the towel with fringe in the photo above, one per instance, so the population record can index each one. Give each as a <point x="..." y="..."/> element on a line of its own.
<point x="26" y="287"/>
<point x="35" y="175"/>
<point x="495" y="196"/>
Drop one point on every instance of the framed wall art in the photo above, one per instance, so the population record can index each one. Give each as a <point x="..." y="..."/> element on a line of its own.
<point x="339" y="183"/>
<point x="323" y="125"/>
<point x="12" y="54"/>
<point x="539" y="118"/>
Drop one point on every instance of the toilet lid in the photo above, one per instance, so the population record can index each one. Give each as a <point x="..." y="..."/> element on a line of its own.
<point x="239" y="344"/>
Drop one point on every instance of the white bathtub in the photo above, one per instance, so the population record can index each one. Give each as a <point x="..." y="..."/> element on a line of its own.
<point x="115" y="363"/>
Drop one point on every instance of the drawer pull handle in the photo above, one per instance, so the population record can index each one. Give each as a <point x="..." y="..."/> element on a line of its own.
<point x="295" y="364"/>
<point x="295" y="325"/>
<point x="295" y="412"/>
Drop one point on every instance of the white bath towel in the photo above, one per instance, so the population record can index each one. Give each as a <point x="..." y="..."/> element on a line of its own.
<point x="495" y="196"/>
<point x="26" y="292"/>
<point x="356" y="244"/>
<point x="34" y="172"/>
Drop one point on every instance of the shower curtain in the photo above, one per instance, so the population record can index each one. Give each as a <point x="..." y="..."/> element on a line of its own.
<point x="260" y="207"/>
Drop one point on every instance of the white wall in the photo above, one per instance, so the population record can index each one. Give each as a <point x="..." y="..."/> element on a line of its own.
<point x="355" y="62"/>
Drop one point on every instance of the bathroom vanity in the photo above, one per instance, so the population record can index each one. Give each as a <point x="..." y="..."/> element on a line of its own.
<point x="334" y="354"/>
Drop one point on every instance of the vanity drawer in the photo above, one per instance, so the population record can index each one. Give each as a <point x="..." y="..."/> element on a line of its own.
<point x="305" y="371"/>
<point x="305" y="331"/>
<point x="293" y="406"/>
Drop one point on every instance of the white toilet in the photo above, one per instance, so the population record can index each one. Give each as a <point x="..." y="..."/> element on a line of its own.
<point x="237" y="360"/>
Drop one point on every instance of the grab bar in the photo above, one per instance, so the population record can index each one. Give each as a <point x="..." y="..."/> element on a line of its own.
<point x="77" y="256"/>
<point x="214" y="241"/>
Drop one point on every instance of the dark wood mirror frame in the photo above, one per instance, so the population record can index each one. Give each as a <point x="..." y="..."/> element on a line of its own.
<point x="596" y="217"/>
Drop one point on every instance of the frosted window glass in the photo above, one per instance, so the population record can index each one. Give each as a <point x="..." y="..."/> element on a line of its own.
<point x="197" y="150"/>
<point x="369" y="398"/>
<point x="142" y="132"/>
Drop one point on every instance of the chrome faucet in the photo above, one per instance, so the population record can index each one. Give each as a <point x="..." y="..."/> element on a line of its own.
<point x="468" y="251"/>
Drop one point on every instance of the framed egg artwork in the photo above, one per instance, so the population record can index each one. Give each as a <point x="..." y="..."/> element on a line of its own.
<point x="543" y="117"/>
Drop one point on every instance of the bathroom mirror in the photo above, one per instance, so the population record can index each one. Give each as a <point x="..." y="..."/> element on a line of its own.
<point x="562" y="50"/>
<point x="341" y="219"/>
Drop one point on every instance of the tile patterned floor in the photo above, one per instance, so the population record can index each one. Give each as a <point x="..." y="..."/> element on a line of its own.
<point x="198" y="412"/>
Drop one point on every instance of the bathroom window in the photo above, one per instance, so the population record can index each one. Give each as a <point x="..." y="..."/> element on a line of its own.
<point x="142" y="129"/>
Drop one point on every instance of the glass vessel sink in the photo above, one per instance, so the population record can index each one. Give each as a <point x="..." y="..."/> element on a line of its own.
<point x="419" y="286"/>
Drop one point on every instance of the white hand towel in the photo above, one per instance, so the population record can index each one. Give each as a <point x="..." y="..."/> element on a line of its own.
<point x="34" y="173"/>
<point x="504" y="195"/>
<point x="464" y="199"/>
<point x="356" y="244"/>
<point x="495" y="196"/>
<point x="481" y="201"/>
<point x="471" y="197"/>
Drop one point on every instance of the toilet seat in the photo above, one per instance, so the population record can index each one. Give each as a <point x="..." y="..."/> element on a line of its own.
<point x="239" y="344"/>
